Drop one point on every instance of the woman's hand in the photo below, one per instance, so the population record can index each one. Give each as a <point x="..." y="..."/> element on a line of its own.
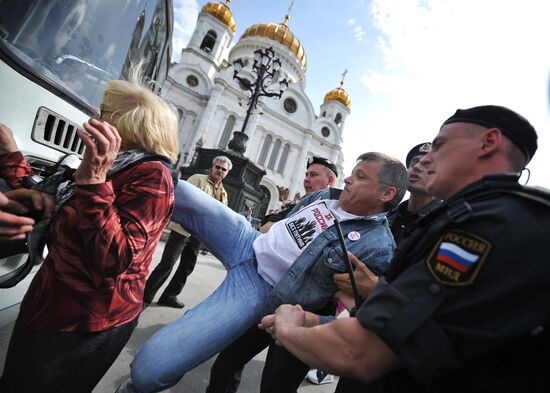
<point x="102" y="145"/>
<point x="364" y="278"/>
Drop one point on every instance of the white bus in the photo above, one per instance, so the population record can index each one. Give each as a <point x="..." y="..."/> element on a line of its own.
<point x="55" y="59"/>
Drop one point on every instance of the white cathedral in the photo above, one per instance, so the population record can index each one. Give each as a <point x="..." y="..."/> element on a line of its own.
<point x="283" y="133"/>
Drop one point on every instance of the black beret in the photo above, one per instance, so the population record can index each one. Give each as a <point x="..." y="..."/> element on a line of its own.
<point x="514" y="126"/>
<point x="418" y="150"/>
<point x="322" y="161"/>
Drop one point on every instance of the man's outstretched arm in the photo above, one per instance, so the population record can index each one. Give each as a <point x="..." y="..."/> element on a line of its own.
<point x="342" y="347"/>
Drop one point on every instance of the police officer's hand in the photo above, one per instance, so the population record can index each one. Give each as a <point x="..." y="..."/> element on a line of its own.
<point x="24" y="201"/>
<point x="13" y="227"/>
<point x="7" y="143"/>
<point x="102" y="142"/>
<point x="364" y="278"/>
<point x="264" y="228"/>
<point x="287" y="316"/>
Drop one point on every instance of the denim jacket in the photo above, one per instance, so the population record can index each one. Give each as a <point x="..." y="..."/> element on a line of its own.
<point x="309" y="281"/>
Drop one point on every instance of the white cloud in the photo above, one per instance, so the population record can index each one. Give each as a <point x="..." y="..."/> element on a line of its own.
<point x="185" y="18"/>
<point x="358" y="31"/>
<point x="440" y="55"/>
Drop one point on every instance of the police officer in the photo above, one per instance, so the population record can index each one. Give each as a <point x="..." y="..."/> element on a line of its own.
<point x="465" y="303"/>
<point x="401" y="219"/>
<point x="420" y="202"/>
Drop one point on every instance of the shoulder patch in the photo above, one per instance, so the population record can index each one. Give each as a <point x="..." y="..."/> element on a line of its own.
<point x="457" y="257"/>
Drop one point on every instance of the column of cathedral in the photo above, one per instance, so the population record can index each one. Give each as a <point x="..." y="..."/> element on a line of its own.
<point x="184" y="136"/>
<point x="335" y="154"/>
<point x="300" y="167"/>
<point x="251" y="130"/>
<point x="207" y="115"/>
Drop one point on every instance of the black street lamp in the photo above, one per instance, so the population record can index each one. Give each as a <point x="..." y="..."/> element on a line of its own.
<point x="267" y="70"/>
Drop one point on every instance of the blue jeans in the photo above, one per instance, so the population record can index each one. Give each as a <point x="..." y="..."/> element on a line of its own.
<point x="236" y="304"/>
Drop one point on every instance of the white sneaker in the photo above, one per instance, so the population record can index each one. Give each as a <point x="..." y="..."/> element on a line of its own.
<point x="319" y="377"/>
<point x="127" y="387"/>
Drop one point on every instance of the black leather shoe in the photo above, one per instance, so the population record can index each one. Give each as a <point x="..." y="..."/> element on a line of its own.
<point x="170" y="301"/>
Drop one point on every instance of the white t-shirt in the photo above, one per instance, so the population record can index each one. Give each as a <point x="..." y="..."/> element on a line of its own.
<point x="277" y="249"/>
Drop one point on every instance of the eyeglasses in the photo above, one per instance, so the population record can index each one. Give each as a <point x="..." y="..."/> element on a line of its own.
<point x="220" y="168"/>
<point x="103" y="111"/>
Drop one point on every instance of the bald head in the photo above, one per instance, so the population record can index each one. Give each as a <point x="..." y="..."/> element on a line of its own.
<point x="463" y="153"/>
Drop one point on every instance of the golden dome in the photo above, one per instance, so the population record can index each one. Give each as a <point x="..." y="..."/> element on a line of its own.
<point x="281" y="33"/>
<point x="338" y="94"/>
<point x="221" y="12"/>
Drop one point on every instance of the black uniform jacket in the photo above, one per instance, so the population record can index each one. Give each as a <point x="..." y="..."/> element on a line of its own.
<point x="466" y="301"/>
<point x="400" y="219"/>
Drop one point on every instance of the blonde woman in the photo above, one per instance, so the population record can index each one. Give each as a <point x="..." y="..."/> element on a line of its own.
<point x="84" y="302"/>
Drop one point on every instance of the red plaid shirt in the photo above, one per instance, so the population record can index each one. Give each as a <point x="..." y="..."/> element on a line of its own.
<point x="100" y="244"/>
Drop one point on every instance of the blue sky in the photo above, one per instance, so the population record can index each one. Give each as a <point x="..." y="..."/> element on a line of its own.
<point x="412" y="63"/>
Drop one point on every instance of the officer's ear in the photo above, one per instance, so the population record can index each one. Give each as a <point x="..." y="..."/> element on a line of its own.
<point x="490" y="142"/>
<point x="331" y="180"/>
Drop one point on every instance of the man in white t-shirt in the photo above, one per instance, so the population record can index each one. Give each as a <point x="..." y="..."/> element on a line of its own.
<point x="262" y="273"/>
<point x="320" y="174"/>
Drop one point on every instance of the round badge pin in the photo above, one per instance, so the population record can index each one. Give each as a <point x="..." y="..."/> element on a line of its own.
<point x="354" y="236"/>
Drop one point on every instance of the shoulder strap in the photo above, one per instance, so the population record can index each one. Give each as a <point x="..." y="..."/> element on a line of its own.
<point x="163" y="160"/>
<point x="460" y="209"/>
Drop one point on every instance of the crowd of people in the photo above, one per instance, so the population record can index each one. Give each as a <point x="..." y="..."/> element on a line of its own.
<point x="446" y="291"/>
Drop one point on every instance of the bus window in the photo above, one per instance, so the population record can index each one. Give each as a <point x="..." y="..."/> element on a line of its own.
<point x="79" y="45"/>
<point x="55" y="58"/>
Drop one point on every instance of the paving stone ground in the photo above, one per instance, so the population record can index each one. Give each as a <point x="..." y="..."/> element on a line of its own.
<point x="207" y="275"/>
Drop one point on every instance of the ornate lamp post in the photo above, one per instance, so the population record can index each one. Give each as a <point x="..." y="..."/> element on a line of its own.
<point x="243" y="182"/>
<point x="267" y="70"/>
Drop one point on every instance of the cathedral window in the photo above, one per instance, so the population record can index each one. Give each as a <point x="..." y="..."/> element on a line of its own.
<point x="192" y="80"/>
<point x="226" y="134"/>
<point x="274" y="154"/>
<point x="209" y="41"/>
<point x="290" y="105"/>
<point x="282" y="161"/>
<point x="265" y="149"/>
<point x="325" y="131"/>
<point x="338" y="118"/>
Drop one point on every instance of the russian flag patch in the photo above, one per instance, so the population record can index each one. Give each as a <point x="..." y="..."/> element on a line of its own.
<point x="457" y="257"/>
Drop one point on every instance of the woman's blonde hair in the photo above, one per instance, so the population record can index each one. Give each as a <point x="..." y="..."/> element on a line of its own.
<point x="143" y="119"/>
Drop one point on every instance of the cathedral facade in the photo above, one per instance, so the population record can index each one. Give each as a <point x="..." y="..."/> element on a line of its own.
<point x="283" y="133"/>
